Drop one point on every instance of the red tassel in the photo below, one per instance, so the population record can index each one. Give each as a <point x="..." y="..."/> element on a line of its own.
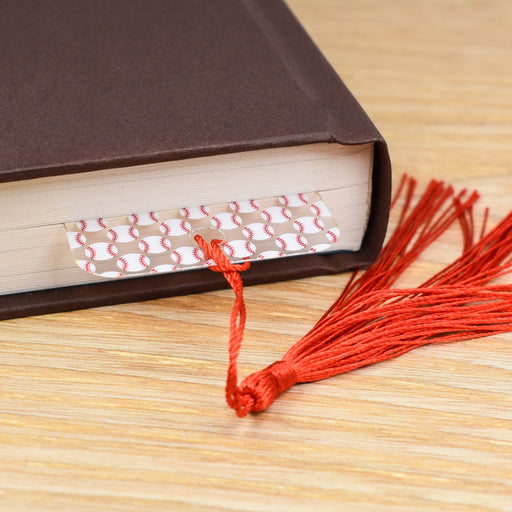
<point x="371" y="321"/>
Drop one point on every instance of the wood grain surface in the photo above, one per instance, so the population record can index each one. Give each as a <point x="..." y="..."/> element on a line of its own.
<point x="122" y="408"/>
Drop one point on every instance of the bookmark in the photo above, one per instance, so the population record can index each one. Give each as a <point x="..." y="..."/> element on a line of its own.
<point x="160" y="242"/>
<point x="371" y="321"/>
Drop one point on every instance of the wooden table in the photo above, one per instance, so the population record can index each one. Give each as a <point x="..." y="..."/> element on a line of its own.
<point x="121" y="408"/>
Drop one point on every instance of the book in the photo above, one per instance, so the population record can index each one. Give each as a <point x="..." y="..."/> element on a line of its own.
<point x="110" y="109"/>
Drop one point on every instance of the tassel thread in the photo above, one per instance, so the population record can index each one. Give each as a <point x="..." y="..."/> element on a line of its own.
<point x="371" y="321"/>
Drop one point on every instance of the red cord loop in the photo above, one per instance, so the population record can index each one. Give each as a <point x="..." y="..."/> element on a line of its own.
<point x="260" y="389"/>
<point x="221" y="262"/>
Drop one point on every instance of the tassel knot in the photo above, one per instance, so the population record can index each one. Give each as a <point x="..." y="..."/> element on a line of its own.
<point x="259" y="390"/>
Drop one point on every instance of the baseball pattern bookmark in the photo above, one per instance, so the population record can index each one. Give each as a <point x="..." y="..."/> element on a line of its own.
<point x="160" y="242"/>
<point x="371" y="321"/>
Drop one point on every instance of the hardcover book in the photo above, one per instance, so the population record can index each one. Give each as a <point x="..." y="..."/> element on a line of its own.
<point x="127" y="127"/>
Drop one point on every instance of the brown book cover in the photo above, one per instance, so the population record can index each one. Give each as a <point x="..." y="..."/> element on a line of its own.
<point x="91" y="85"/>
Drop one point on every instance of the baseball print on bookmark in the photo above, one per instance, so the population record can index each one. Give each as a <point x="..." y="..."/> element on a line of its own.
<point x="161" y="242"/>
